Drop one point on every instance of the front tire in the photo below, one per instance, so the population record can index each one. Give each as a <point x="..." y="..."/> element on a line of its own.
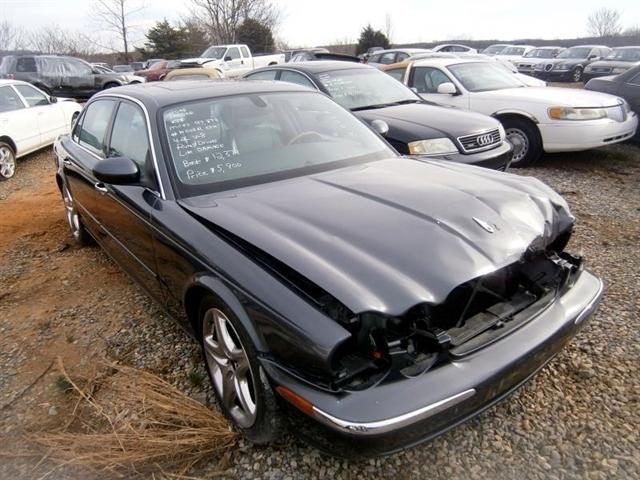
<point x="526" y="140"/>
<point x="238" y="381"/>
<point x="576" y="74"/>
<point x="7" y="161"/>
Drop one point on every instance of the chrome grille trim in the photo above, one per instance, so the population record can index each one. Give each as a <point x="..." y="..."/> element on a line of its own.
<point x="478" y="142"/>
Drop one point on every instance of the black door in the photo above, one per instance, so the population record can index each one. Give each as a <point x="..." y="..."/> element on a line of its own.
<point x="83" y="151"/>
<point x="124" y="211"/>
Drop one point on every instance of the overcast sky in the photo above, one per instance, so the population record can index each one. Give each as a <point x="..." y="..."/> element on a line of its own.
<point x="307" y="23"/>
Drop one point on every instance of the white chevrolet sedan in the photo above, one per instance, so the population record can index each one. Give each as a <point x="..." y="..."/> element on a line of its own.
<point x="29" y="120"/>
<point x="535" y="119"/>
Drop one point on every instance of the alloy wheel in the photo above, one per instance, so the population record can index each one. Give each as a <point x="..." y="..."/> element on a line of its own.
<point x="73" y="219"/>
<point x="7" y="162"/>
<point x="520" y="143"/>
<point x="229" y="367"/>
<point x="577" y="74"/>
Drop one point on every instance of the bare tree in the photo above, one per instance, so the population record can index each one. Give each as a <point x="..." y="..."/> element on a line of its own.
<point x="223" y="17"/>
<point x="56" y="40"/>
<point x="11" y="37"/>
<point x="388" y="26"/>
<point x="604" y="22"/>
<point x="116" y="17"/>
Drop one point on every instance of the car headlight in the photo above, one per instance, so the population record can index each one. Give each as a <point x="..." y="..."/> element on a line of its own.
<point x="560" y="66"/>
<point x="619" y="70"/>
<point x="625" y="105"/>
<point x="434" y="146"/>
<point x="569" y="113"/>
<point x="588" y="69"/>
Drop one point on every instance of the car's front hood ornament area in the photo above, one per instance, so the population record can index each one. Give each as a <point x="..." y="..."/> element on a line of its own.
<point x="390" y="234"/>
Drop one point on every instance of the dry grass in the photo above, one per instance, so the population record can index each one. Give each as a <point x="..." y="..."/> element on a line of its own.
<point x="134" y="424"/>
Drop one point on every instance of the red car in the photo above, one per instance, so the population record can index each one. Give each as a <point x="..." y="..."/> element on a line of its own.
<point x="158" y="70"/>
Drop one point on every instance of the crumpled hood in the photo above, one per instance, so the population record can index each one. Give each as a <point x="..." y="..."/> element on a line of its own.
<point x="387" y="235"/>
<point x="201" y="61"/>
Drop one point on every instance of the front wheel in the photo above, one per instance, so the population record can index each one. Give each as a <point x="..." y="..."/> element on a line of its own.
<point x="78" y="232"/>
<point x="239" y="384"/>
<point x="7" y="161"/>
<point x="526" y="140"/>
<point x="576" y="75"/>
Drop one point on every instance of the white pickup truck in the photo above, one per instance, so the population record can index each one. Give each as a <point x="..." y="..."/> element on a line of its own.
<point x="233" y="60"/>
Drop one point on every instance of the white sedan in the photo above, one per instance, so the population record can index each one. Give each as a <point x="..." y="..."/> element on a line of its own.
<point x="535" y="119"/>
<point x="29" y="120"/>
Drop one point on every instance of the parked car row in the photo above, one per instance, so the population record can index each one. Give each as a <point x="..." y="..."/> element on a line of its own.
<point x="578" y="63"/>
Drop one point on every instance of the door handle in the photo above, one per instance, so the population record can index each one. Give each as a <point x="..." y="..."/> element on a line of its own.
<point x="67" y="162"/>
<point x="100" y="187"/>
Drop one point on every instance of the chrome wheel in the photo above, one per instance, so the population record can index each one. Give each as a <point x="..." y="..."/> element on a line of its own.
<point x="229" y="368"/>
<point x="73" y="219"/>
<point x="7" y="162"/>
<point x="520" y="143"/>
<point x="577" y="74"/>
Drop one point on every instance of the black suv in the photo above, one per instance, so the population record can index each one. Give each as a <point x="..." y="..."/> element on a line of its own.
<point x="64" y="76"/>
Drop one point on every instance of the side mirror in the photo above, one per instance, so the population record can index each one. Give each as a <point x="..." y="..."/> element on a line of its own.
<point x="380" y="126"/>
<point x="53" y="99"/>
<point x="227" y="58"/>
<point x="117" y="171"/>
<point x="447" y="88"/>
<point x="593" y="57"/>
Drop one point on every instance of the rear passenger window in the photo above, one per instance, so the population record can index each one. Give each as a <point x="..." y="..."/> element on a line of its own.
<point x="294" y="77"/>
<point x="94" y="125"/>
<point x="388" y="58"/>
<point x="9" y="100"/>
<point x="397" y="73"/>
<point x="402" y="56"/>
<point x="264" y="75"/>
<point x="245" y="52"/>
<point x="374" y="58"/>
<point x="26" y="64"/>
<point x="129" y="135"/>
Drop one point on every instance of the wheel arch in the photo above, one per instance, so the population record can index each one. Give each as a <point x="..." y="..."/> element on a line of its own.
<point x="204" y="285"/>
<point x="500" y="114"/>
<point x="9" y="141"/>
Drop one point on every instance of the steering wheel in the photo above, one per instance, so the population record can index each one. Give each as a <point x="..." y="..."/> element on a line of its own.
<point x="305" y="135"/>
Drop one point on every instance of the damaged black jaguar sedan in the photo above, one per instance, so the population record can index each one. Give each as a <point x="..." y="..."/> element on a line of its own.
<point x="370" y="299"/>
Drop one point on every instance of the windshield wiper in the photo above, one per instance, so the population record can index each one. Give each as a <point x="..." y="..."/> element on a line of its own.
<point x="382" y="105"/>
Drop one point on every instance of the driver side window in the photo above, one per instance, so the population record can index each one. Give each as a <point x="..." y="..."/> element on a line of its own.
<point x="427" y="79"/>
<point x="234" y="53"/>
<point x="33" y="97"/>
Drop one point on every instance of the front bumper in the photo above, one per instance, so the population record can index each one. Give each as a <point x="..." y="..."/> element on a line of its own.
<point x="553" y="75"/>
<point x="573" y="136"/>
<point x="393" y="416"/>
<point x="497" y="158"/>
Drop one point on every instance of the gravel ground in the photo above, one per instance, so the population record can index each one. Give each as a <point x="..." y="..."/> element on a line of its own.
<point x="578" y="418"/>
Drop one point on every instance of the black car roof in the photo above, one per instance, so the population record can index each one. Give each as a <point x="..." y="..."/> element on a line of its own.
<point x="159" y="94"/>
<point x="317" y="66"/>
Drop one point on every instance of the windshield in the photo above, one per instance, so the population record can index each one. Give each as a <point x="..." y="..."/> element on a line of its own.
<point x="541" y="53"/>
<point x="575" y="52"/>
<point x="494" y="49"/>
<point x="229" y="142"/>
<point x="365" y="88"/>
<point x="214" y="52"/>
<point x="625" y="55"/>
<point x="483" y="76"/>
<point x="513" y="51"/>
<point x="158" y="65"/>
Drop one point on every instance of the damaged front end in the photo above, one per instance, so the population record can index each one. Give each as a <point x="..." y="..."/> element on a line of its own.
<point x="474" y="315"/>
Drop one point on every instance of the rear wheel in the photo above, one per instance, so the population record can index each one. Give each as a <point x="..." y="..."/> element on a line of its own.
<point x="576" y="74"/>
<point x="78" y="232"/>
<point x="239" y="384"/>
<point x="7" y="161"/>
<point x="111" y="85"/>
<point x="526" y="140"/>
